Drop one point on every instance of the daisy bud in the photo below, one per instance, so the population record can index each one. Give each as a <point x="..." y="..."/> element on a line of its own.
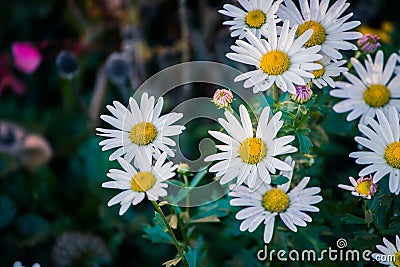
<point x="183" y="168"/>
<point x="222" y="98"/>
<point x="365" y="186"/>
<point x="117" y="68"/>
<point x="368" y="43"/>
<point x="303" y="94"/>
<point x="67" y="64"/>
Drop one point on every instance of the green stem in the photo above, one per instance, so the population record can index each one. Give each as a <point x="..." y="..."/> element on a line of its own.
<point x="75" y="91"/>
<point x="180" y="225"/>
<point x="185" y="178"/>
<point x="297" y="116"/>
<point x="349" y="64"/>
<point x="303" y="119"/>
<point x="171" y="233"/>
<point x="276" y="96"/>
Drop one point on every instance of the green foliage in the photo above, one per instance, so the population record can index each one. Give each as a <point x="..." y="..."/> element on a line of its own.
<point x="7" y="210"/>
<point x="195" y="256"/>
<point x="279" y="179"/>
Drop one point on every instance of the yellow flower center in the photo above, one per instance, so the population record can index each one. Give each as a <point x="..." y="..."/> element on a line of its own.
<point x="275" y="200"/>
<point x="392" y="155"/>
<point x="376" y="95"/>
<point x="143" y="133"/>
<point x="396" y="260"/>
<point x="364" y="187"/>
<point x="319" y="73"/>
<point x="142" y="181"/>
<point x="319" y="33"/>
<point x="275" y="62"/>
<point x="255" y="19"/>
<point x="252" y="150"/>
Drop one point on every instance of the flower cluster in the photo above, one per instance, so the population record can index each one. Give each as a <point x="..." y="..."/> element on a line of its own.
<point x="291" y="50"/>
<point x="142" y="135"/>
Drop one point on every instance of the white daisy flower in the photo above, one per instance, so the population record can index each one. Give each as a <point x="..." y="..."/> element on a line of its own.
<point x="266" y="202"/>
<point x="329" y="31"/>
<point x="243" y="154"/>
<point x="330" y="68"/>
<point x="364" y="187"/>
<point x="390" y="253"/>
<point x="145" y="180"/>
<point x="382" y="138"/>
<point x="254" y="17"/>
<point x="282" y="60"/>
<point x="139" y="129"/>
<point x="373" y="90"/>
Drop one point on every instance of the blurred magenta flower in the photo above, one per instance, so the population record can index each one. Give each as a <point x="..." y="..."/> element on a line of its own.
<point x="26" y="57"/>
<point x="7" y="79"/>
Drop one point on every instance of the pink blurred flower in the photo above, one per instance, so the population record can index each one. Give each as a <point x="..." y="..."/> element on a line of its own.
<point x="7" y="79"/>
<point x="26" y="57"/>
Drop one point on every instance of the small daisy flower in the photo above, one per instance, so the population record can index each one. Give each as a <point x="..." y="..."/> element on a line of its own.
<point x="244" y="155"/>
<point x="390" y="253"/>
<point x="223" y="98"/>
<point x="254" y="17"/>
<point x="139" y="129"/>
<point x="372" y="90"/>
<point x="363" y="187"/>
<point x="383" y="139"/>
<point x="282" y="60"/>
<point x="303" y="94"/>
<point x="329" y="68"/>
<point x="145" y="180"/>
<point x="266" y="202"/>
<point x="329" y="31"/>
<point x="368" y="43"/>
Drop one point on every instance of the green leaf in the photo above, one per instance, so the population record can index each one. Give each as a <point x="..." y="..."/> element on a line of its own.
<point x="351" y="219"/>
<point x="369" y="216"/>
<point x="175" y="182"/>
<point x="304" y="142"/>
<point x="33" y="228"/>
<point x="279" y="179"/>
<point x="394" y="227"/>
<point x="185" y="190"/>
<point x="158" y="220"/>
<point x="309" y="237"/>
<point x="218" y="209"/>
<point x="172" y="262"/>
<point x="157" y="235"/>
<point x="208" y="219"/>
<point x="7" y="210"/>
<point x="194" y="256"/>
<point x="199" y="175"/>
